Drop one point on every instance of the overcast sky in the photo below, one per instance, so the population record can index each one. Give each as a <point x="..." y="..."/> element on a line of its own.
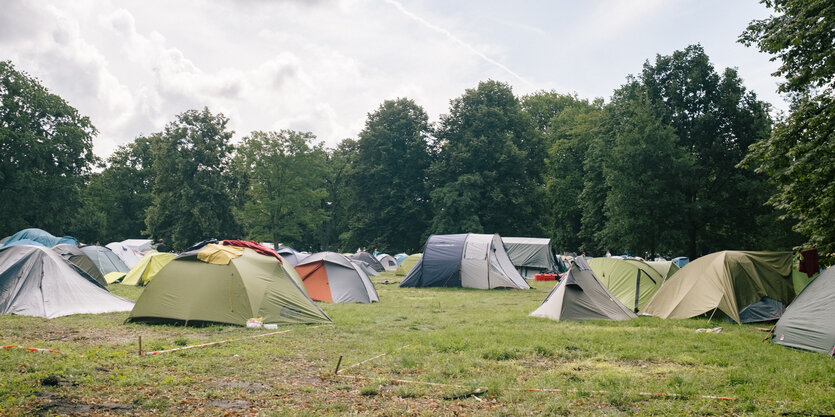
<point x="322" y="66"/>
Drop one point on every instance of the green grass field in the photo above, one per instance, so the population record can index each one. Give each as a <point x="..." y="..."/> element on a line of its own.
<point x="480" y="346"/>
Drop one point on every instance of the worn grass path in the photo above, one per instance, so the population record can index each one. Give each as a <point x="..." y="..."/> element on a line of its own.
<point x="468" y="339"/>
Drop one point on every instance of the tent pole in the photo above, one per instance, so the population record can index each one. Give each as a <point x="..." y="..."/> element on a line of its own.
<point x="711" y="315"/>
<point x="637" y="290"/>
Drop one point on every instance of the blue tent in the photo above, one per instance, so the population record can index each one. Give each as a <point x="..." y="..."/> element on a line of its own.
<point x="39" y="237"/>
<point x="681" y="261"/>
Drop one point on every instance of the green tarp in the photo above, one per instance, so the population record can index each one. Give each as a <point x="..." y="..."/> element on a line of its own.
<point x="728" y="281"/>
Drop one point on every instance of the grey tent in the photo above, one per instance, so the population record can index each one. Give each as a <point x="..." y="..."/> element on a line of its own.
<point x="464" y="260"/>
<point x="388" y="261"/>
<point x="369" y="259"/>
<point x="809" y="321"/>
<point x="581" y="296"/>
<point x="531" y="255"/>
<point x="36" y="281"/>
<point x="291" y="255"/>
<point x="80" y="259"/>
<point x="365" y="267"/>
<point x="105" y="259"/>
<point x="332" y="277"/>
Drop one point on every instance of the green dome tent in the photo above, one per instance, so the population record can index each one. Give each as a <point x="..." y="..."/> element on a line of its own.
<point x="747" y="287"/>
<point x="631" y="281"/>
<point x="407" y="264"/>
<point x="198" y="287"/>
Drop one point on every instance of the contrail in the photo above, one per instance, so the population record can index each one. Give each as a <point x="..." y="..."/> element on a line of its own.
<point x="452" y="37"/>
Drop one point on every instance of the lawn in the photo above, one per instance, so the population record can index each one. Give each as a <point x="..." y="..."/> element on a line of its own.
<point x="417" y="352"/>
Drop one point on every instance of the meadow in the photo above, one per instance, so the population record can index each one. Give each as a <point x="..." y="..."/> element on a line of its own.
<point x="417" y="352"/>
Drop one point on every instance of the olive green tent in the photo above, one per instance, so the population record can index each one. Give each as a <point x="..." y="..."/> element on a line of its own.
<point x="665" y="268"/>
<point x="194" y="288"/>
<point x="808" y="321"/>
<point x="746" y="287"/>
<point x="632" y="281"/>
<point x="407" y="264"/>
<point x="147" y="268"/>
<point x="581" y="296"/>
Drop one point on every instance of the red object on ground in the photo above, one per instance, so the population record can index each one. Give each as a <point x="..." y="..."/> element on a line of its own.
<point x="257" y="247"/>
<point x="545" y="277"/>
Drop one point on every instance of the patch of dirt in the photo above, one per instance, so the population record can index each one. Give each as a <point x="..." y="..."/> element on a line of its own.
<point x="57" y="405"/>
<point x="247" y="386"/>
<point x="231" y="405"/>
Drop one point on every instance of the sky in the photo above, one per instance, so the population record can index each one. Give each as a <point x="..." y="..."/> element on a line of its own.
<point x="323" y="65"/>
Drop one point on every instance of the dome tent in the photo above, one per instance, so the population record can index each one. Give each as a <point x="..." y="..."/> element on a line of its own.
<point x="808" y="321"/>
<point x="406" y="264"/>
<point x="36" y="281"/>
<point x="738" y="284"/>
<point x="225" y="284"/>
<point x="388" y="261"/>
<point x="369" y="259"/>
<point x="332" y="277"/>
<point x="464" y="260"/>
<point x="80" y="259"/>
<point x="633" y="282"/>
<point x="105" y="259"/>
<point x="34" y="236"/>
<point x="147" y="268"/>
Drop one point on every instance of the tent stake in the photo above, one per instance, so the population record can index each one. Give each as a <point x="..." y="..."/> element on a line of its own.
<point x="336" y="371"/>
<point x="140" y="345"/>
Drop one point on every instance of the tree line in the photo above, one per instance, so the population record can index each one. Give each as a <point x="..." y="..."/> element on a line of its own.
<point x="682" y="160"/>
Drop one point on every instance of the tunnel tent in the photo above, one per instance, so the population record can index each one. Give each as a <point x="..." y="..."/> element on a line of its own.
<point x="35" y="236"/>
<point x="580" y="296"/>
<point x="216" y="284"/>
<point x="464" y="260"/>
<point x="37" y="281"/>
<point x="728" y="283"/>
<point x="332" y="277"/>
<point x="388" y="261"/>
<point x="808" y="321"/>
<point x="631" y="281"/>
<point x="105" y="259"/>
<point x="80" y="259"/>
<point x="531" y="256"/>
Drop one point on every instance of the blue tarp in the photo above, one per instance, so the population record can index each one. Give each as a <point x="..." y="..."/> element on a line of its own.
<point x="39" y="237"/>
<point x="440" y="265"/>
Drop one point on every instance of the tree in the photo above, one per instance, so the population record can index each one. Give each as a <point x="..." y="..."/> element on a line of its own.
<point x="46" y="152"/>
<point x="285" y="193"/>
<point x="192" y="198"/>
<point x="716" y="120"/>
<point x="488" y="172"/>
<point x="569" y="126"/>
<point x="392" y="207"/>
<point x="799" y="156"/>
<point x="341" y="195"/>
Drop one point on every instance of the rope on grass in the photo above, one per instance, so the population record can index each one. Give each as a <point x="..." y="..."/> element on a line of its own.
<point x="371" y="359"/>
<point x="156" y="352"/>
<point x="30" y="349"/>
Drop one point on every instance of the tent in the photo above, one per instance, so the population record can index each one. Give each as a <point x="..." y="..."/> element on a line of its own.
<point x="746" y="287"/>
<point x="39" y="237"/>
<point x="681" y="261"/>
<point x="332" y="277"/>
<point x="388" y="261"/>
<point x="808" y="321"/>
<point x="406" y="264"/>
<point x="80" y="259"/>
<point x="400" y="257"/>
<point x="37" y="281"/>
<point x="369" y="259"/>
<point x="225" y="284"/>
<point x="631" y="281"/>
<point x="105" y="259"/>
<point x="465" y="260"/>
<point x="291" y="255"/>
<point x="147" y="268"/>
<point x="581" y="296"/>
<point x="130" y="250"/>
<point x="665" y="268"/>
<point x="365" y="267"/>
<point x="531" y="255"/>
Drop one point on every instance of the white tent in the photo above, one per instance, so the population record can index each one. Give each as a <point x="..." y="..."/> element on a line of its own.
<point x="130" y="250"/>
<point x="388" y="261"/>
<point x="465" y="260"/>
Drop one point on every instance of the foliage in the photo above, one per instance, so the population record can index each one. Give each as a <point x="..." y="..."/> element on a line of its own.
<point x="488" y="173"/>
<point x="341" y="194"/>
<point x="46" y="153"/>
<point x="799" y="157"/>
<point x="285" y="192"/>
<point x="392" y="203"/>
<point x="192" y="198"/>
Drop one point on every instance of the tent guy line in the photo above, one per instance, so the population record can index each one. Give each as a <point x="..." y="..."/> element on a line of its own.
<point x="371" y="359"/>
<point x="219" y="342"/>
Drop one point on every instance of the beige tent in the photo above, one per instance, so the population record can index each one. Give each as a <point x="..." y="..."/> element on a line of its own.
<point x="744" y="286"/>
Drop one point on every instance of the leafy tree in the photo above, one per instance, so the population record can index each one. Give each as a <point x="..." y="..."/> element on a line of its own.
<point x="341" y="195"/>
<point x="716" y="120"/>
<point x="488" y="172"/>
<point x="192" y="196"/>
<point x="568" y="125"/>
<point x="46" y="152"/>
<point x="286" y="174"/>
<point x="392" y="205"/>
<point x="799" y="156"/>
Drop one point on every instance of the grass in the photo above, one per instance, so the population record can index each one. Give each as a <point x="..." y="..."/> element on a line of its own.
<point x="467" y="339"/>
